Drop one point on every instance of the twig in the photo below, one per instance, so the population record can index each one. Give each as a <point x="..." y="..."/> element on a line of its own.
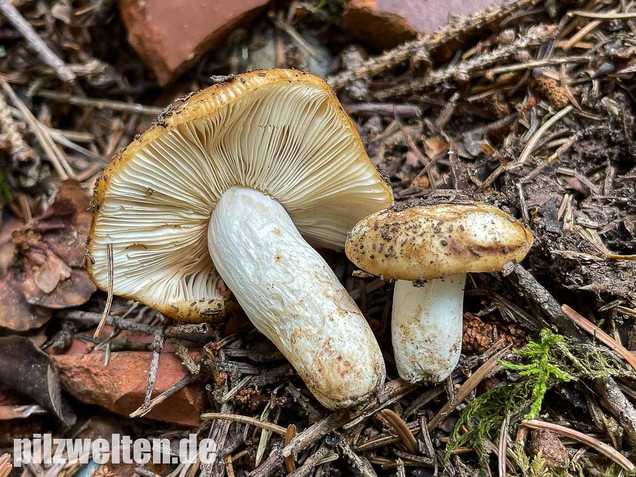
<point x="33" y="39"/>
<point x="455" y="29"/>
<point x="235" y="390"/>
<point x="100" y="103"/>
<point x="413" y="458"/>
<point x="528" y="286"/>
<point x="603" y="337"/>
<point x="422" y="400"/>
<point x="401" y="429"/>
<point x="157" y="347"/>
<point x="563" y="77"/>
<point x="466" y="388"/>
<point x="426" y="438"/>
<point x="311" y="462"/>
<point x="437" y="77"/>
<point x="619" y="405"/>
<point x="360" y="463"/>
<point x="175" y="388"/>
<point x="582" y="33"/>
<point x="562" y="60"/>
<point x="178" y="331"/>
<point x="393" y="391"/>
<point x="300" y="442"/>
<point x="382" y="441"/>
<point x="298" y="38"/>
<point x="109" y="299"/>
<point x="407" y="111"/>
<point x="602" y="15"/>
<point x="245" y="420"/>
<point x="184" y="355"/>
<point x="601" y="447"/>
<point x="93" y="318"/>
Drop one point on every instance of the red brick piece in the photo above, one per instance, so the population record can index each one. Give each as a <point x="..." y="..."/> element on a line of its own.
<point x="120" y="386"/>
<point x="171" y="35"/>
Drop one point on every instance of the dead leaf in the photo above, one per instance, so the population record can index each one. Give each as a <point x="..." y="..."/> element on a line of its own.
<point x="15" y="312"/>
<point x="29" y="371"/>
<point x="48" y="264"/>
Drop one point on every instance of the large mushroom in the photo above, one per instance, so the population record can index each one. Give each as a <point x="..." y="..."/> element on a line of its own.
<point x="235" y="179"/>
<point x="429" y="250"/>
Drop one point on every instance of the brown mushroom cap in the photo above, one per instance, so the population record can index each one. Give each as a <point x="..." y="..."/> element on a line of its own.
<point x="280" y="132"/>
<point x="427" y="242"/>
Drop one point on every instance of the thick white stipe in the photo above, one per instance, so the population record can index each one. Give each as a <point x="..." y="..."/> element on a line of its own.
<point x="427" y="328"/>
<point x="293" y="297"/>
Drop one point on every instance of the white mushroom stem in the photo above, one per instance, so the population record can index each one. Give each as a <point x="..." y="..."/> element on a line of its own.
<point x="427" y="328"/>
<point x="292" y="296"/>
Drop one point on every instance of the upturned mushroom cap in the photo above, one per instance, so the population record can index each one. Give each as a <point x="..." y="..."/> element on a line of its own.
<point x="280" y="132"/>
<point x="427" y="242"/>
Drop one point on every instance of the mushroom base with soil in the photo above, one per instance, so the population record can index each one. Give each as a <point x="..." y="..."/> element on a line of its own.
<point x="292" y="296"/>
<point x="426" y="330"/>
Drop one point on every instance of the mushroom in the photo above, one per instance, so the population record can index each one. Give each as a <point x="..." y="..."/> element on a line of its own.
<point x="433" y="247"/>
<point x="233" y="180"/>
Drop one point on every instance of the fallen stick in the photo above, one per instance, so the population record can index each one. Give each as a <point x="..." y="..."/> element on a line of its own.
<point x="33" y="39"/>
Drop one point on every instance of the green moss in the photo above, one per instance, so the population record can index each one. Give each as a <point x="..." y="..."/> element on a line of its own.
<point x="535" y="467"/>
<point x="552" y="360"/>
<point x="539" y="369"/>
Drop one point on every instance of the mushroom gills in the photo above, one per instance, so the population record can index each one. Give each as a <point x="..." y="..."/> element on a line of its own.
<point x="427" y="328"/>
<point x="293" y="297"/>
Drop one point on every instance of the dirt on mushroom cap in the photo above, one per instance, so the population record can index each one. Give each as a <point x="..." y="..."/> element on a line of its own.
<point x="431" y="242"/>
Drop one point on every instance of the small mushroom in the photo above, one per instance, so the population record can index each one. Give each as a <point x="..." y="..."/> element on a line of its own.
<point x="234" y="180"/>
<point x="433" y="247"/>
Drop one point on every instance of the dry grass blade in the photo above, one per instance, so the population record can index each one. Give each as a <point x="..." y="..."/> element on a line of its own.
<point x="109" y="300"/>
<point x="601" y="447"/>
<point x="228" y="466"/>
<point x="61" y="165"/>
<point x="595" y="331"/>
<point x="290" y="464"/>
<point x="246" y="420"/>
<point x="540" y="132"/>
<point x="503" y="446"/>
<point x="402" y="430"/>
<point x="465" y="389"/>
<point x="594" y="238"/>
<point x="553" y="157"/>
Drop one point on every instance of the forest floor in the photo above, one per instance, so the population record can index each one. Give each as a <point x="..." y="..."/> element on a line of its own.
<point x="529" y="107"/>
